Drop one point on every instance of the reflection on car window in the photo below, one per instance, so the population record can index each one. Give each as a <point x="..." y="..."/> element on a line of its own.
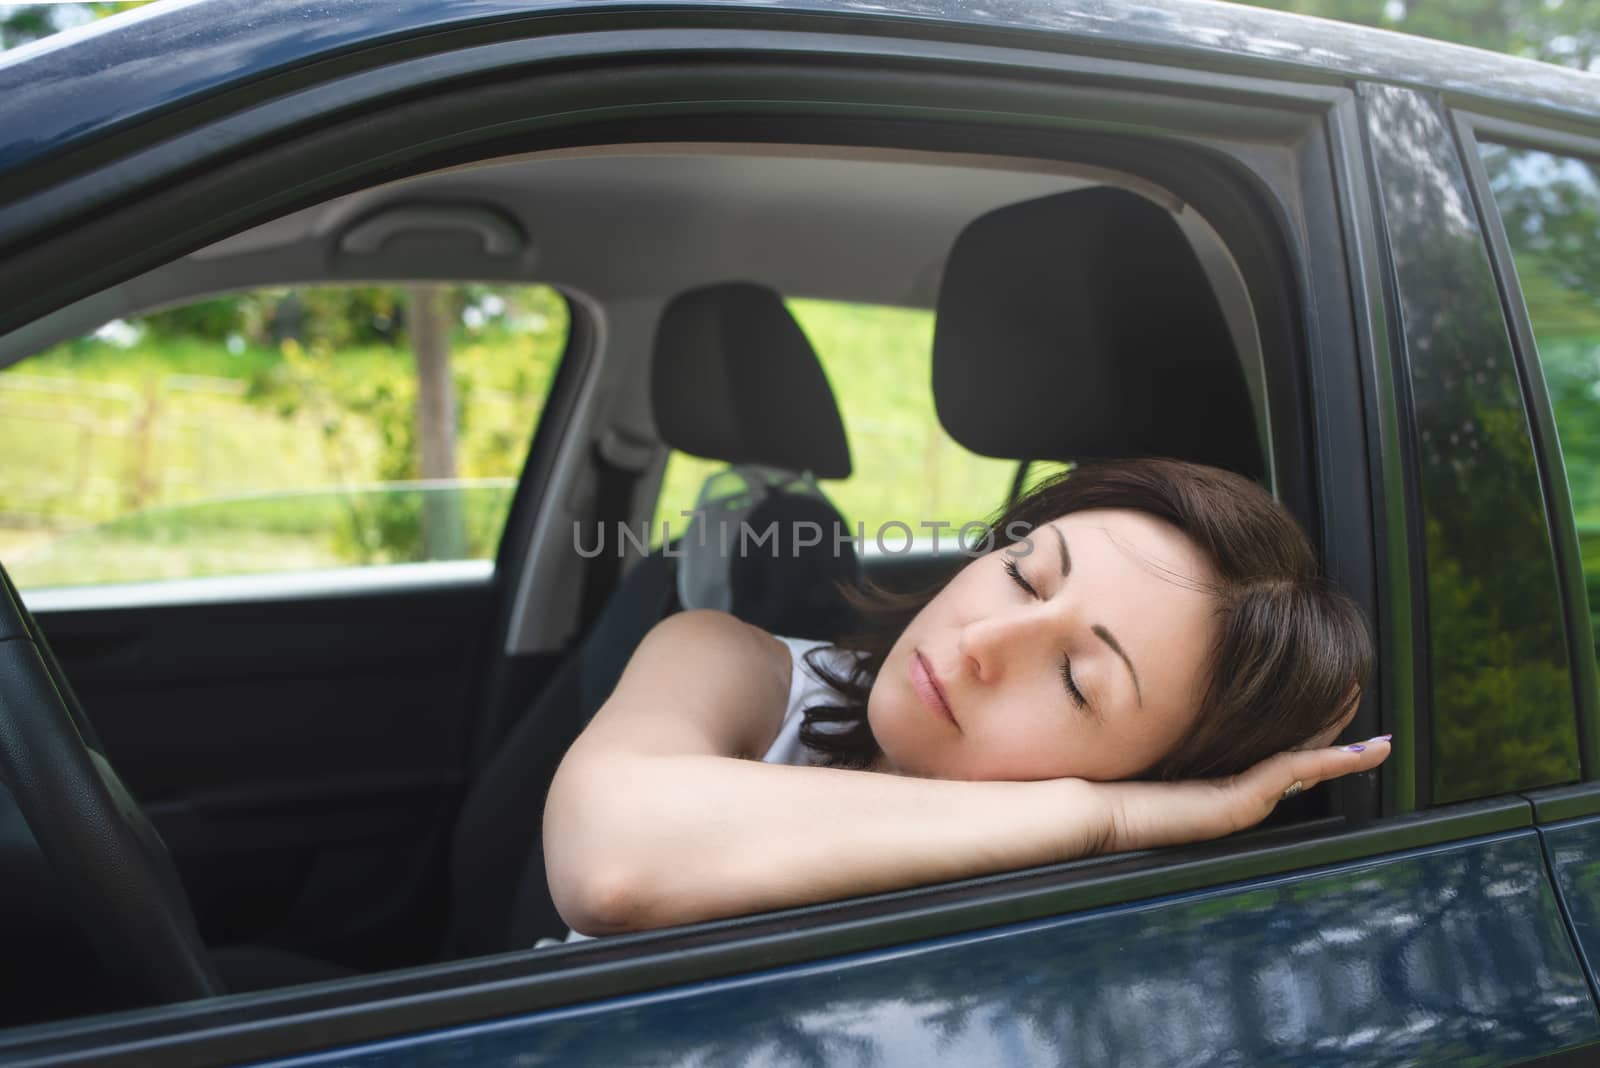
<point x="275" y="430"/>
<point x="1550" y="206"/>
<point x="1500" y="690"/>
<point x="907" y="469"/>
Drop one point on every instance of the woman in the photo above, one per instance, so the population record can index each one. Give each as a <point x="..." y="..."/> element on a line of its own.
<point x="1132" y="625"/>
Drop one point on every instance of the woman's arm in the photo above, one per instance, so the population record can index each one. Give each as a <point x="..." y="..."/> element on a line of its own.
<point x="649" y="822"/>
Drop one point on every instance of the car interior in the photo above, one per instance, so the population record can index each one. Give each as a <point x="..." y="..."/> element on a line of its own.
<point x="350" y="780"/>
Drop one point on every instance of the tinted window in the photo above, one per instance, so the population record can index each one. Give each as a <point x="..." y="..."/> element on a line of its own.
<point x="1550" y="206"/>
<point x="1500" y="704"/>
<point x="275" y="430"/>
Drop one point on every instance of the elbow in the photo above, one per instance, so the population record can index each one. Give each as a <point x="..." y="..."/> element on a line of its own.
<point x="604" y="901"/>
<point x="594" y="890"/>
<point x="609" y="869"/>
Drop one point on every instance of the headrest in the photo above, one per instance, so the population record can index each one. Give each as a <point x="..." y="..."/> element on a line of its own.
<point x="745" y="518"/>
<point x="734" y="379"/>
<point x="1081" y="326"/>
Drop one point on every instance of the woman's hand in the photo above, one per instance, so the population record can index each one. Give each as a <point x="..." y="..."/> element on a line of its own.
<point x="1143" y="815"/>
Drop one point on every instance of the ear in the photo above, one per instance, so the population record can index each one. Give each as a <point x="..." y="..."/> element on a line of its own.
<point x="1328" y="734"/>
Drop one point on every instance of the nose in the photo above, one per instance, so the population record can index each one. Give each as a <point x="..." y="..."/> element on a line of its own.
<point x="986" y="644"/>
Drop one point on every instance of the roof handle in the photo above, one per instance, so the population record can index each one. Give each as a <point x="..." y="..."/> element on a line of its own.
<point x="500" y="235"/>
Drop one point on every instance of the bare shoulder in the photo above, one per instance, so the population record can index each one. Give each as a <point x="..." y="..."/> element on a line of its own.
<point x="700" y="681"/>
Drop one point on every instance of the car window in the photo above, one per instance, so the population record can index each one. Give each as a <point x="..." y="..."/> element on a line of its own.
<point x="1498" y="704"/>
<point x="906" y="469"/>
<point x="275" y="430"/>
<point x="1550" y="207"/>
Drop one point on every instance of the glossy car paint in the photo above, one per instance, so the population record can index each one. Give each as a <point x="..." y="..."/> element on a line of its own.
<point x="1436" y="956"/>
<point x="1573" y="848"/>
<point x="80" y="85"/>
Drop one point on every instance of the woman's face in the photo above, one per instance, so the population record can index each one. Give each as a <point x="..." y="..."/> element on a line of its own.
<point x="1088" y="661"/>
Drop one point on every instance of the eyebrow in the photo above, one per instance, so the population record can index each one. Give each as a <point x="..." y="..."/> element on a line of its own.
<point x="1105" y="636"/>
<point x="1066" y="557"/>
<point x="1099" y="631"/>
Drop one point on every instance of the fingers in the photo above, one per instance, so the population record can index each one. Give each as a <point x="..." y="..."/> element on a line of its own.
<point x="1146" y="814"/>
<point x="1268" y="781"/>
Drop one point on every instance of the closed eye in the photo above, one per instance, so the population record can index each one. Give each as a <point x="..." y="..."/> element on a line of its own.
<point x="1067" y="680"/>
<point x="1072" y="684"/>
<point x="1016" y="576"/>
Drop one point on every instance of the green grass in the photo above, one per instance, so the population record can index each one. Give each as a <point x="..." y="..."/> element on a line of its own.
<point x="264" y="534"/>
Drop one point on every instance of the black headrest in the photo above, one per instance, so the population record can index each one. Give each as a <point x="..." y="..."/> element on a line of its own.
<point x="799" y="597"/>
<point x="1081" y="326"/>
<point x="734" y="379"/>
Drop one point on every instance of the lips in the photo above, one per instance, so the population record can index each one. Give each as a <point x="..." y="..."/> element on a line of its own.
<point x="926" y="684"/>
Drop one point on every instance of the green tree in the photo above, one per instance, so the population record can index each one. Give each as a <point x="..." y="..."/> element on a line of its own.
<point x="1554" y="31"/>
<point x="21" y="23"/>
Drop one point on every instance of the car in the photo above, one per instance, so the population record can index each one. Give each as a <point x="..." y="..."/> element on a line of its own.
<point x="289" y="815"/>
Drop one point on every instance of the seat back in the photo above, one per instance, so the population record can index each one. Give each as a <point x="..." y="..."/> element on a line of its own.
<point x="734" y="379"/>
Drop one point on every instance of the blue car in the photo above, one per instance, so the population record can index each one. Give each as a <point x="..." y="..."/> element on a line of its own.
<point x="271" y="783"/>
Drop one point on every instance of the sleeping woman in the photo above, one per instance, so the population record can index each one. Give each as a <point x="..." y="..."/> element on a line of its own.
<point x="1146" y="655"/>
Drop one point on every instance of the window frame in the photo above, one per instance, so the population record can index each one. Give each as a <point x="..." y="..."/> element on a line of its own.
<point x="1471" y="129"/>
<point x="277" y="1023"/>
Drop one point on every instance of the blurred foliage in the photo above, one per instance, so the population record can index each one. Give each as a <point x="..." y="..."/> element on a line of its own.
<point x="1501" y="697"/>
<point x="21" y="23"/>
<point x="234" y="395"/>
<point x="1550" y="206"/>
<point x="1554" y="31"/>
<point x="262" y="534"/>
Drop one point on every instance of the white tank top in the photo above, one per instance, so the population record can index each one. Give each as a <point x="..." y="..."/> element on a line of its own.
<point x="806" y="689"/>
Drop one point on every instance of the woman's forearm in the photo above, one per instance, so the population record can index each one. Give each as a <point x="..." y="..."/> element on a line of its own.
<point x="637" y="841"/>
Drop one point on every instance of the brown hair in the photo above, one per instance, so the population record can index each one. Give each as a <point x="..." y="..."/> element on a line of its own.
<point x="1291" y="653"/>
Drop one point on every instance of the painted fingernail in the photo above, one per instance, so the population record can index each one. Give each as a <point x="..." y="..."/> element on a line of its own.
<point x="1357" y="748"/>
<point x="1381" y="738"/>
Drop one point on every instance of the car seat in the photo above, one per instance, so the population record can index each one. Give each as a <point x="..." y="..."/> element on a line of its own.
<point x="733" y="378"/>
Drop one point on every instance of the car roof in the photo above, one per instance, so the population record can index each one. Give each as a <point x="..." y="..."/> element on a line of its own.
<point x="82" y="83"/>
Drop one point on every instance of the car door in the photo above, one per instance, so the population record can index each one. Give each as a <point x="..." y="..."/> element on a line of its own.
<point x="1392" y="924"/>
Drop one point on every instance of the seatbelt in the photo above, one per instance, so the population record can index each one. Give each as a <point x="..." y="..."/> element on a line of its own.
<point x="619" y="462"/>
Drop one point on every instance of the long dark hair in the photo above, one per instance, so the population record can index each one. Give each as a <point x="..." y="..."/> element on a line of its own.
<point x="1291" y="654"/>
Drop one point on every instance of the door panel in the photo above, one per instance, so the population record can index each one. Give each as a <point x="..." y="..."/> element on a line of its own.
<point x="301" y="757"/>
<point x="1437" y="955"/>
<point x="1574" y="850"/>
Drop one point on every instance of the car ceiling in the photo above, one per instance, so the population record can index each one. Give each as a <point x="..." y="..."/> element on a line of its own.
<point x="629" y="222"/>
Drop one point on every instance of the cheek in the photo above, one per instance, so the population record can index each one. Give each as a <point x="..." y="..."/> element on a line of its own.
<point x="1030" y="739"/>
<point x="1062" y="743"/>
